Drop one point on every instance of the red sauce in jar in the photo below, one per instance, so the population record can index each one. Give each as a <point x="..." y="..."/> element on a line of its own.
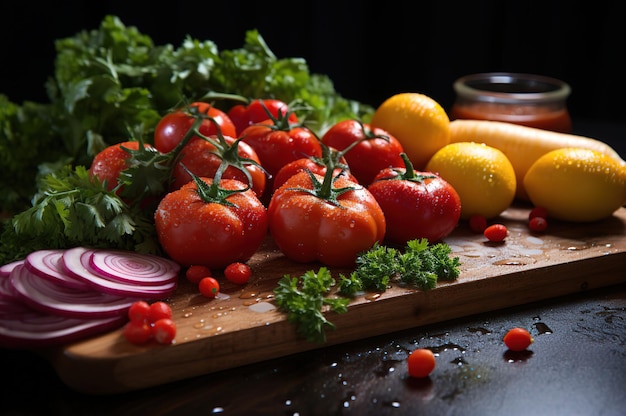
<point x="525" y="99"/>
<point x="527" y="115"/>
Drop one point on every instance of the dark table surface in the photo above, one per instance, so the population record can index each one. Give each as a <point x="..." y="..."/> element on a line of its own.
<point x="576" y="366"/>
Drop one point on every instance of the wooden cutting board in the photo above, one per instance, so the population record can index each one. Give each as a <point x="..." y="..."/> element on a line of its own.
<point x="242" y="325"/>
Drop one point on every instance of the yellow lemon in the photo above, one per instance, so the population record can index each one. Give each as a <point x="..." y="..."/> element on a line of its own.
<point x="419" y="123"/>
<point x="482" y="175"/>
<point x="575" y="184"/>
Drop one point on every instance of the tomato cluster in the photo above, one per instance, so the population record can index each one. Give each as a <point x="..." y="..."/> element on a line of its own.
<point x="253" y="171"/>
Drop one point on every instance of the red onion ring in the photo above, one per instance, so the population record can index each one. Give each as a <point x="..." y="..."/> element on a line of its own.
<point x="76" y="262"/>
<point x="5" y="269"/>
<point x="36" y="329"/>
<point x="48" y="264"/>
<point x="48" y="297"/>
<point x="131" y="267"/>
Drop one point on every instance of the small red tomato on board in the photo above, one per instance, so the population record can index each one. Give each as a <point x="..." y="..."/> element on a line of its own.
<point x="164" y="331"/>
<point x="158" y="310"/>
<point x="538" y="224"/>
<point x="209" y="287"/>
<point x="518" y="339"/>
<point x="324" y="218"/>
<point x="538" y="212"/>
<point x="138" y="311"/>
<point x="416" y="204"/>
<point x="238" y="273"/>
<point x="279" y="143"/>
<point x="203" y="158"/>
<point x="496" y="233"/>
<point x="421" y="363"/>
<point x="477" y="223"/>
<point x="257" y="111"/>
<point x="196" y="273"/>
<point x="137" y="332"/>
<point x="173" y="127"/>
<point x="212" y="226"/>
<point x="108" y="163"/>
<point x="374" y="149"/>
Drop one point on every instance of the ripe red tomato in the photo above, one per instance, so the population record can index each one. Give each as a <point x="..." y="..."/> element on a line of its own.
<point x="371" y="153"/>
<point x="257" y="111"/>
<point x="518" y="339"/>
<point x="173" y="127"/>
<point x="238" y="273"/>
<point x="496" y="233"/>
<point x="421" y="363"/>
<point x="209" y="287"/>
<point x="108" y="163"/>
<point x="279" y="143"/>
<point x="318" y="222"/>
<point x="314" y="165"/>
<point x="416" y="204"/>
<point x="203" y="159"/>
<point x="164" y="331"/>
<point x="214" y="226"/>
<point x="137" y="332"/>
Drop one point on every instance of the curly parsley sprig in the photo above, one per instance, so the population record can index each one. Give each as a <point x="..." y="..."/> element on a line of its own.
<point x="419" y="264"/>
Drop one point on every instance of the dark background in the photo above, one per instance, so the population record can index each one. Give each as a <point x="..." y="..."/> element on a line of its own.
<point x="371" y="50"/>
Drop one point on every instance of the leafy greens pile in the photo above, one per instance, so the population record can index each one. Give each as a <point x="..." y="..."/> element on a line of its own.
<point x="114" y="84"/>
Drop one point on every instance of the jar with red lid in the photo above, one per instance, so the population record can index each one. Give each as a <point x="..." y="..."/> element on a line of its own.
<point x="526" y="99"/>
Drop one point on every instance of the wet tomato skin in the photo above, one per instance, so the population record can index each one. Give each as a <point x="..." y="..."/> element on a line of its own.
<point x="212" y="234"/>
<point x="307" y="228"/>
<point x="173" y="126"/>
<point x="429" y="208"/>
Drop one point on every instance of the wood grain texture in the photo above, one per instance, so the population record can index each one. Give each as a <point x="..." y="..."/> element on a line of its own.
<point x="242" y="326"/>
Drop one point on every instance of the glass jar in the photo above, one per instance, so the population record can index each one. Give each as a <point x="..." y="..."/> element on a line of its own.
<point x="526" y="99"/>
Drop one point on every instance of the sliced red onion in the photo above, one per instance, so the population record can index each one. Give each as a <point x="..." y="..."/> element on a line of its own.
<point x="131" y="267"/>
<point x="48" y="264"/>
<point x="5" y="269"/>
<point x="76" y="262"/>
<point x="6" y="289"/>
<point x="9" y="306"/>
<point x="46" y="296"/>
<point x="36" y="329"/>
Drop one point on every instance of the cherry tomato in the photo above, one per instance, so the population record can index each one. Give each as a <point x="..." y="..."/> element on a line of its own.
<point x="538" y="224"/>
<point x="477" y="223"/>
<point x="164" y="331"/>
<point x="257" y="111"/>
<point x="137" y="332"/>
<point x="203" y="158"/>
<point x="421" y="363"/>
<point x="196" y="273"/>
<point x="138" y="311"/>
<point x="112" y="160"/>
<point x="375" y="149"/>
<point x="238" y="273"/>
<point x="518" y="339"/>
<point x="325" y="219"/>
<point x="496" y="233"/>
<point x="214" y="226"/>
<point x="209" y="287"/>
<point x="279" y="143"/>
<point x="173" y="127"/>
<point x="416" y="204"/>
<point x="538" y="212"/>
<point x="158" y="310"/>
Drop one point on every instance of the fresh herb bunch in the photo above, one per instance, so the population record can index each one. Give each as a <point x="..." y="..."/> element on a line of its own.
<point x="420" y="264"/>
<point x="114" y="82"/>
<point x="304" y="299"/>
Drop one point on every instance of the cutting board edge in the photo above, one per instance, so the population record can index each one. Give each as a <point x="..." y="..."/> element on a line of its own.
<point x="124" y="374"/>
